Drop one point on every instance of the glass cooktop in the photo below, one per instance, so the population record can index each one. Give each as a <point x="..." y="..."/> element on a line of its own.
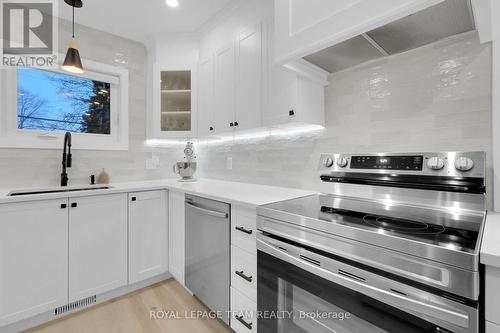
<point x="422" y="225"/>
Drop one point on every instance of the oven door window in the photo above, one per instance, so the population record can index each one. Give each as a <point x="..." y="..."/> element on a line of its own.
<point x="291" y="300"/>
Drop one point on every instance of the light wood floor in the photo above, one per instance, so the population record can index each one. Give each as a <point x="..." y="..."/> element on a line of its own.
<point x="131" y="313"/>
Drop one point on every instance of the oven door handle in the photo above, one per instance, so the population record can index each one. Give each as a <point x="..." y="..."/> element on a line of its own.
<point x="396" y="300"/>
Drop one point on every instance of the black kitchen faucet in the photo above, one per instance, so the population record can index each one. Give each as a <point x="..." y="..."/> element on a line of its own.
<point x="66" y="159"/>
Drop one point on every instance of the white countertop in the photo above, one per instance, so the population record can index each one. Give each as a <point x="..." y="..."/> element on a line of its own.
<point x="490" y="246"/>
<point x="230" y="192"/>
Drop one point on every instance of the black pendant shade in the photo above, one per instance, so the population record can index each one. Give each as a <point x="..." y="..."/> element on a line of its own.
<point x="72" y="61"/>
<point x="74" y="3"/>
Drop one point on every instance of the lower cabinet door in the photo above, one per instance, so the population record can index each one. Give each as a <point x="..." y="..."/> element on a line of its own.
<point x="97" y="244"/>
<point x="148" y="235"/>
<point x="33" y="258"/>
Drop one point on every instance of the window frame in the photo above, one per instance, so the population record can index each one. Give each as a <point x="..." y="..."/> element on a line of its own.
<point x="13" y="137"/>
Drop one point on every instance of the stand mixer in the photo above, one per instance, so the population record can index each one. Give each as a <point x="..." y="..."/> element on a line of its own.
<point x="187" y="168"/>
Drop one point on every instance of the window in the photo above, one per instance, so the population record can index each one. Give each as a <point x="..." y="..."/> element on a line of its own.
<point x="37" y="106"/>
<point x="49" y="101"/>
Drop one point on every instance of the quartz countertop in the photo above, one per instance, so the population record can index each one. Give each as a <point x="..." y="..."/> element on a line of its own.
<point x="231" y="192"/>
<point x="490" y="246"/>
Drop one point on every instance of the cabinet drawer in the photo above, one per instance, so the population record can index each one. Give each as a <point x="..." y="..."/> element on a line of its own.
<point x="243" y="228"/>
<point x="246" y="310"/>
<point x="244" y="272"/>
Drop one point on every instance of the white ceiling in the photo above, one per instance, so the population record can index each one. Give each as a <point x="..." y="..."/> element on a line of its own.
<point x="138" y="19"/>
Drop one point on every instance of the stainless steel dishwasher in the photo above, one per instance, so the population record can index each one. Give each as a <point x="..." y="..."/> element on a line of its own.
<point x="208" y="252"/>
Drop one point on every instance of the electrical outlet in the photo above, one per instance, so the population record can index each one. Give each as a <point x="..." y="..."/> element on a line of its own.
<point x="229" y="163"/>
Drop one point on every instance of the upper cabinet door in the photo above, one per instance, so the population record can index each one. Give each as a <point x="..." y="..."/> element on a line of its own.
<point x="175" y="101"/>
<point x="249" y="81"/>
<point x="33" y="258"/>
<point x="97" y="245"/>
<point x="306" y="26"/>
<point x="223" y="115"/>
<point x="206" y="101"/>
<point x="174" y="111"/>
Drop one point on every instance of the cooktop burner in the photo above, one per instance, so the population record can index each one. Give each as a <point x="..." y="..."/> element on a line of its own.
<point x="463" y="240"/>
<point x="402" y="225"/>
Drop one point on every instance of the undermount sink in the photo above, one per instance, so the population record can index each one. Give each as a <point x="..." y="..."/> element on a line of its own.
<point x="58" y="190"/>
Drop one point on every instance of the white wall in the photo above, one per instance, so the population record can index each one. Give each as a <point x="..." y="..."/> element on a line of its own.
<point x="435" y="98"/>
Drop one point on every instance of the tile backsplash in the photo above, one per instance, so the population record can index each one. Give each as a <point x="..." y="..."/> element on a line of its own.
<point x="434" y="98"/>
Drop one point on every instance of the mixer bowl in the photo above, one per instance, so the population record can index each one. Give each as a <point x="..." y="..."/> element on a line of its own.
<point x="185" y="169"/>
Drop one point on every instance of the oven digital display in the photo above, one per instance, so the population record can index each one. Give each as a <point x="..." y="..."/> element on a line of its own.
<point x="387" y="162"/>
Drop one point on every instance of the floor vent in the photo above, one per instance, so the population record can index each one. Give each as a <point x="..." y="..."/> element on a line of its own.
<point x="75" y="305"/>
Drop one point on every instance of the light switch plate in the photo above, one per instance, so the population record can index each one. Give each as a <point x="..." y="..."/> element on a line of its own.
<point x="229" y="163"/>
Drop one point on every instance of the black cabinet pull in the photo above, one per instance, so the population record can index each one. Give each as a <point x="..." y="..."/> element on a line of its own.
<point x="74" y="204"/>
<point x="240" y="319"/>
<point x="231" y="124"/>
<point x="243" y="276"/>
<point x="236" y="123"/>
<point x="291" y="113"/>
<point x="211" y="128"/>
<point x="244" y="230"/>
<point x="134" y="199"/>
<point x="63" y="206"/>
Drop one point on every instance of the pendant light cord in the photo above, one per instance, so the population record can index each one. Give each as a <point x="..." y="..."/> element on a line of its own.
<point x="73" y="19"/>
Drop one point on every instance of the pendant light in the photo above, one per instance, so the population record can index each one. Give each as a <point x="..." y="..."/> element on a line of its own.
<point x="72" y="62"/>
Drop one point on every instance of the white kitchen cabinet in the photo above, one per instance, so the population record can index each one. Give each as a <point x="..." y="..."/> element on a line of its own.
<point x="288" y="97"/>
<point x="147" y="235"/>
<point x="33" y="258"/>
<point x="232" y="99"/>
<point x="223" y="109"/>
<point x="249" y="87"/>
<point x="177" y="232"/>
<point x="174" y="107"/>
<point x="206" y="98"/>
<point x="304" y="27"/>
<point x="97" y="244"/>
<point x="243" y="269"/>
<point x="247" y="90"/>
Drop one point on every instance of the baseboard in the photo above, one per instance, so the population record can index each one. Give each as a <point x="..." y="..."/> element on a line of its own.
<point x="101" y="298"/>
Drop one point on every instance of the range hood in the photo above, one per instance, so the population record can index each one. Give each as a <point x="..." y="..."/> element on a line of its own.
<point x="448" y="18"/>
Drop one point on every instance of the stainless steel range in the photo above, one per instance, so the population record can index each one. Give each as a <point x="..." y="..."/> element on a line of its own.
<point x="391" y="246"/>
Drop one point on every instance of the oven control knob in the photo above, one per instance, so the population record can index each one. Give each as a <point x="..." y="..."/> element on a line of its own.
<point x="435" y="163"/>
<point x="328" y="162"/>
<point x="342" y="162"/>
<point x="464" y="164"/>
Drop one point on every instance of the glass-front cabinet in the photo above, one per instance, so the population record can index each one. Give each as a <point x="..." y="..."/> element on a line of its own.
<point x="174" y="111"/>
